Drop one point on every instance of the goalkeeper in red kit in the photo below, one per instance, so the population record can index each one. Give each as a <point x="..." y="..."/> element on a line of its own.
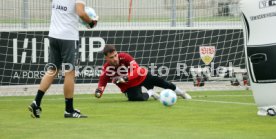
<point x="124" y="71"/>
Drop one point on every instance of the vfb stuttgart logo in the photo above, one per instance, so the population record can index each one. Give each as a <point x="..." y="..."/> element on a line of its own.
<point x="207" y="53"/>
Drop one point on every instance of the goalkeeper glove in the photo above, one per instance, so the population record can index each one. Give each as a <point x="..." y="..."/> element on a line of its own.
<point x="94" y="22"/>
<point x="120" y="79"/>
<point x="98" y="93"/>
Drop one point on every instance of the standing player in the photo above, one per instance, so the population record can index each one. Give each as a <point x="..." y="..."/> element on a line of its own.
<point x="63" y="36"/>
<point x="122" y="69"/>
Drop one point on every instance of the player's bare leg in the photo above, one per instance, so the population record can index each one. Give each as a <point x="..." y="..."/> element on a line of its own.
<point x="69" y="86"/>
<point x="45" y="83"/>
<point x="47" y="80"/>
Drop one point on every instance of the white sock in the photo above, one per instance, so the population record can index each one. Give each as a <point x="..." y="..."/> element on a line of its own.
<point x="150" y="92"/>
<point x="178" y="91"/>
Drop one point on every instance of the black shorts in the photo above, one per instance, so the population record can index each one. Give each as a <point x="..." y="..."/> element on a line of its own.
<point x="135" y="93"/>
<point x="63" y="52"/>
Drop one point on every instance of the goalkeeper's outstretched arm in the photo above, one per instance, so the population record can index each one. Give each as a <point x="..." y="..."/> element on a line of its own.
<point x="101" y="84"/>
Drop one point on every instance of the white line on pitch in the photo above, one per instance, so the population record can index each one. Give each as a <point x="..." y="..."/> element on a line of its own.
<point x="223" y="95"/>
<point x="224" y="102"/>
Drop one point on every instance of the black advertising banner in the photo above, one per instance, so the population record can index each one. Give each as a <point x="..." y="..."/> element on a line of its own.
<point x="169" y="53"/>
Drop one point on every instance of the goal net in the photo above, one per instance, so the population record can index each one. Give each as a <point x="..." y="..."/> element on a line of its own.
<point x="199" y="46"/>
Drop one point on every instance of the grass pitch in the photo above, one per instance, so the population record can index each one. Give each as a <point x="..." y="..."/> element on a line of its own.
<point x="210" y="115"/>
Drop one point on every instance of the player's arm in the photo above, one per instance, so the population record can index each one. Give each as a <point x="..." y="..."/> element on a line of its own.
<point x="101" y="84"/>
<point x="80" y="4"/>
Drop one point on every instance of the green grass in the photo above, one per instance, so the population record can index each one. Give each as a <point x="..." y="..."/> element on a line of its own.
<point x="210" y="115"/>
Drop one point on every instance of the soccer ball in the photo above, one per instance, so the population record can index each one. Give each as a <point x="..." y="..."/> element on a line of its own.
<point x="91" y="13"/>
<point x="168" y="97"/>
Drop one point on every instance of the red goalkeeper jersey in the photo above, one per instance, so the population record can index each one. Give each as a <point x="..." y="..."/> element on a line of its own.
<point x="127" y="67"/>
